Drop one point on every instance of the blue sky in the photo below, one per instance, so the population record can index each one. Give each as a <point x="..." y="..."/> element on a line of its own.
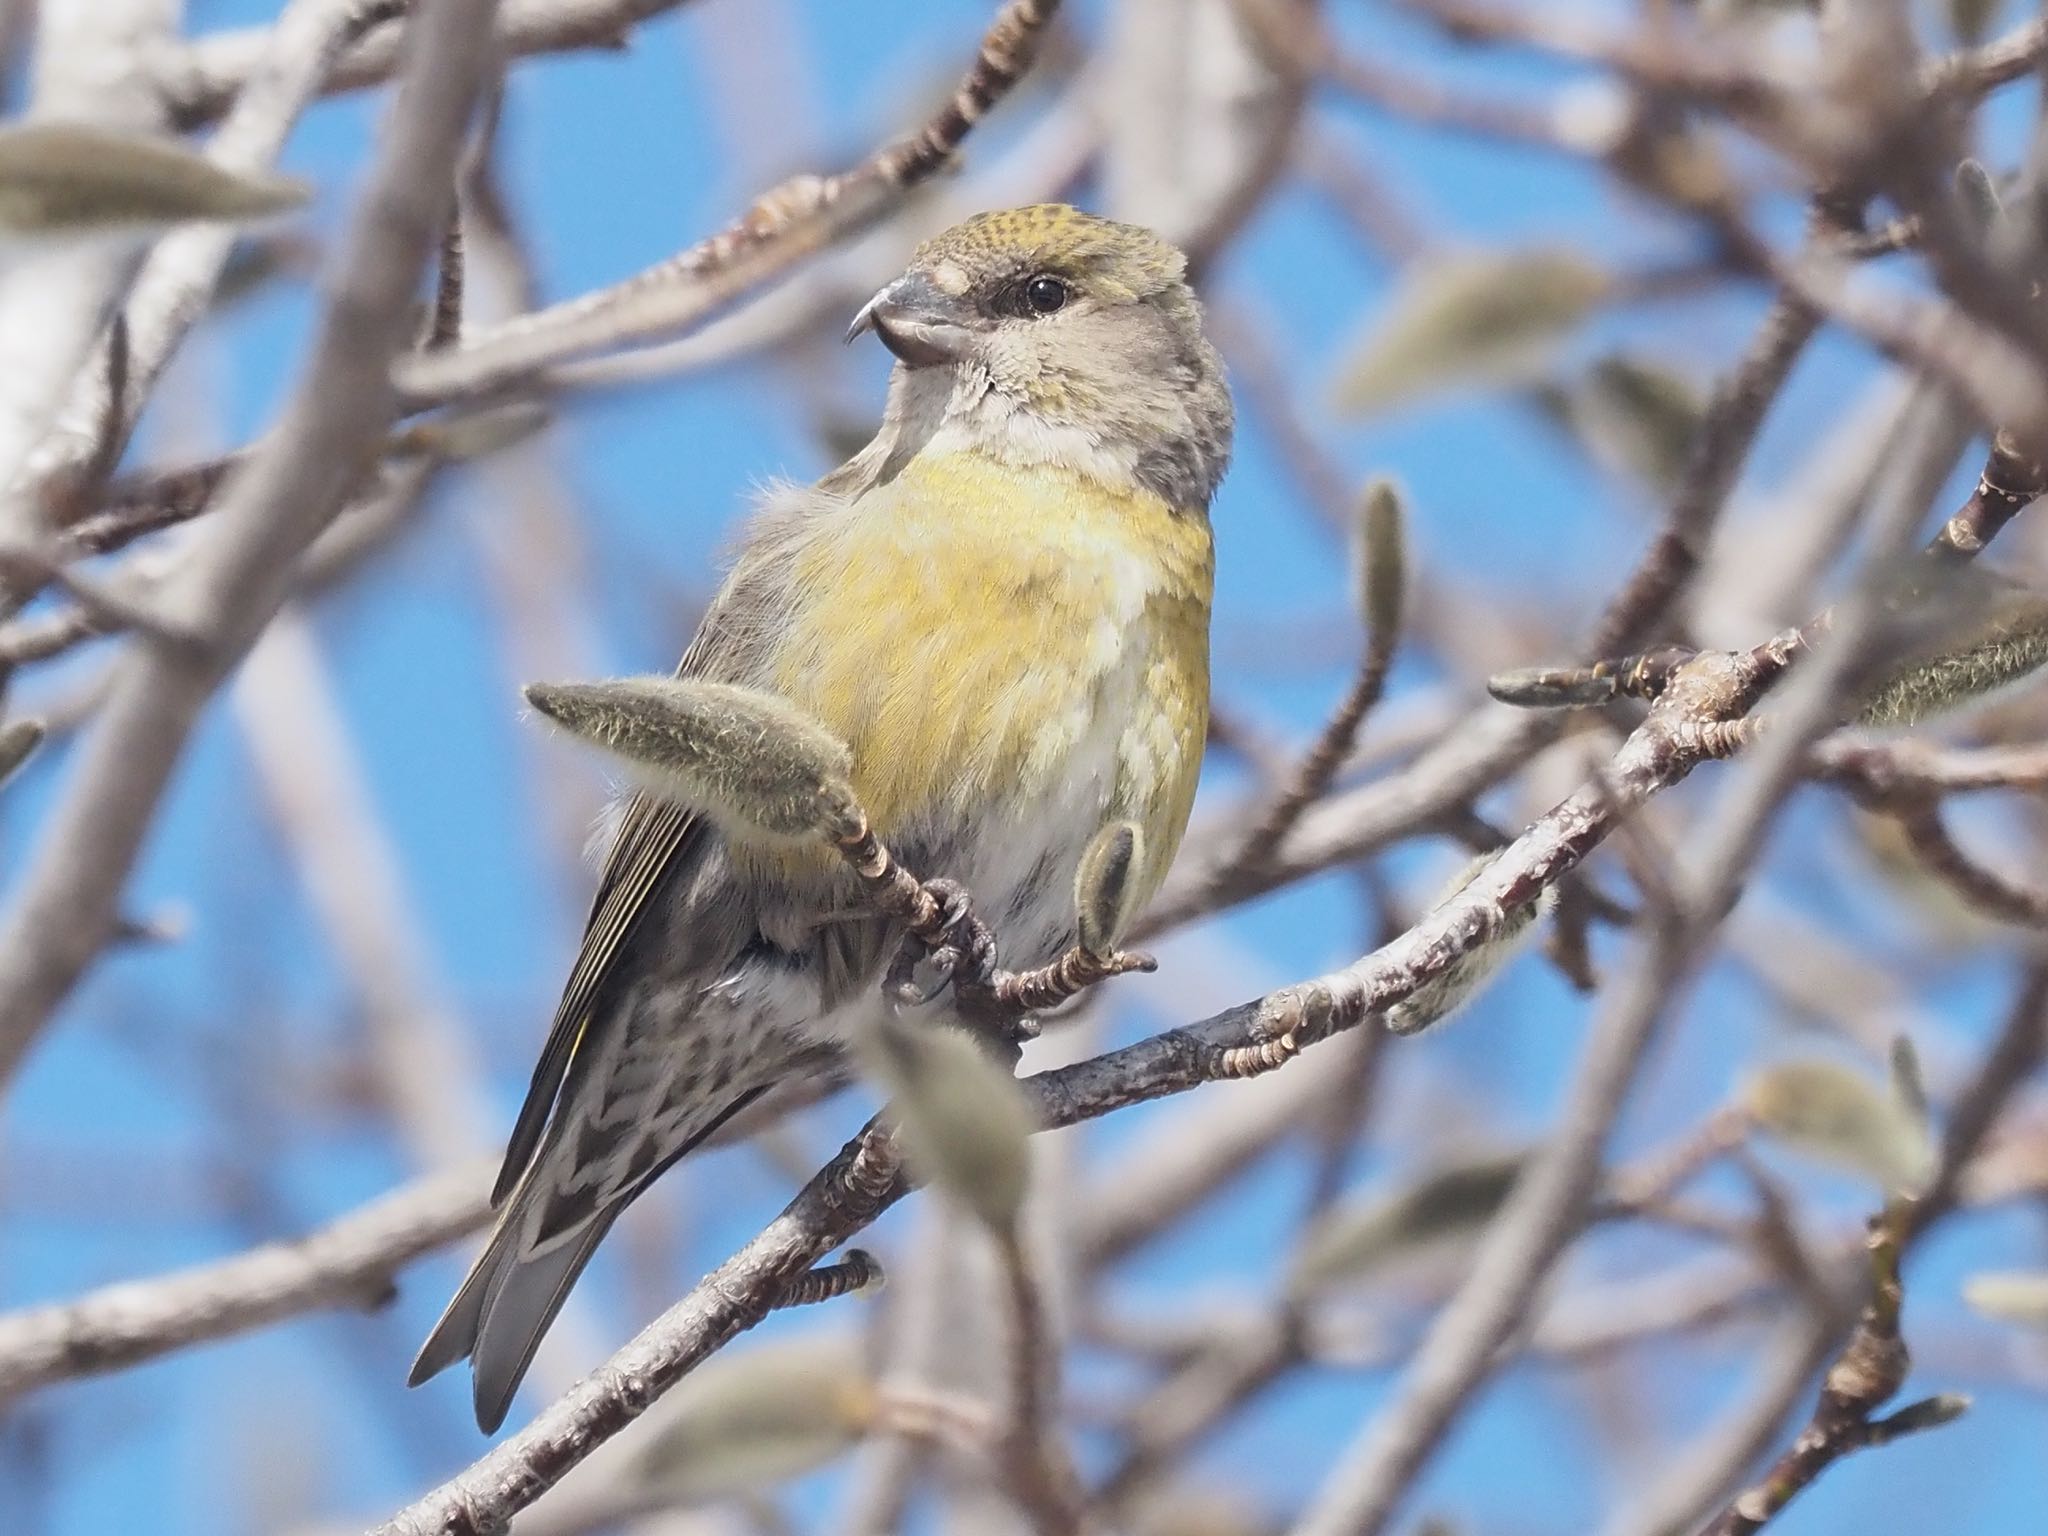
<point x="174" y="1066"/>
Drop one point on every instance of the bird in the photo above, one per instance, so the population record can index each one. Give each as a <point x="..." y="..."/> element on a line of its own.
<point x="1001" y="604"/>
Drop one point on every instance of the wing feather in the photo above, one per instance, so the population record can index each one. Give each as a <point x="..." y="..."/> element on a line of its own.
<point x="650" y="840"/>
<point x="656" y="839"/>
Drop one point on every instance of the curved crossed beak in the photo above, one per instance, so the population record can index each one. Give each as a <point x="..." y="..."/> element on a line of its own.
<point x="921" y="325"/>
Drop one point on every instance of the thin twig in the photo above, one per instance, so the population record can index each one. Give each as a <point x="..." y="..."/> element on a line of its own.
<point x="1868" y="1374"/>
<point x="840" y="1201"/>
<point x="1885" y="770"/>
<point x="1544" y="1212"/>
<point x="444" y="320"/>
<point x="1721" y="446"/>
<point x="1040" y="1477"/>
<point x="201" y="81"/>
<point x="1984" y="890"/>
<point x="1709" y="1473"/>
<point x="785" y="225"/>
<point x="348" y="1264"/>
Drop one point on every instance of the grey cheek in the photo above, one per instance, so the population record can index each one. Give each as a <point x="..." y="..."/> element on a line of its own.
<point x="1184" y="468"/>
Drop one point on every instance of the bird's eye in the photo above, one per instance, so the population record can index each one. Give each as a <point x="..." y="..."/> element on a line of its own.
<point x="1045" y="295"/>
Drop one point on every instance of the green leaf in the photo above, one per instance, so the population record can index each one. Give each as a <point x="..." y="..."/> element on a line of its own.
<point x="73" y="178"/>
<point x="1489" y="318"/>
<point x="755" y="1418"/>
<point x="1837" y="1115"/>
<point x="964" y="1124"/>
<point x="1353" y="1240"/>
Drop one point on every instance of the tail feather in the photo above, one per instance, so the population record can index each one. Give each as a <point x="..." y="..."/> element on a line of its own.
<point x="524" y="1297"/>
<point x="504" y="1306"/>
<point x="519" y="1282"/>
<point x="454" y="1336"/>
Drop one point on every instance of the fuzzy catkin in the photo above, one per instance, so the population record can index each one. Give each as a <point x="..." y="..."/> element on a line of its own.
<point x="1438" y="999"/>
<point x="747" y="758"/>
<point x="1936" y="684"/>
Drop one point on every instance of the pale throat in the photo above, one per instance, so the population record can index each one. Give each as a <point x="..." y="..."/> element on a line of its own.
<point x="939" y="413"/>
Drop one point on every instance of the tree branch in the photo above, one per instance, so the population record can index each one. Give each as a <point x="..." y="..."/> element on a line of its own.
<point x="202" y="80"/>
<point x="347" y="1264"/>
<point x="1236" y="1042"/>
<point x="1868" y="1373"/>
<point x="69" y="899"/>
<point x="787" y="224"/>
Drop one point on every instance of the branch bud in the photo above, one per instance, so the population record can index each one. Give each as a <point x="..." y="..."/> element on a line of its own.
<point x="1496" y="317"/>
<point x="1441" y="1204"/>
<point x="745" y="1422"/>
<point x="1442" y="996"/>
<point x="1837" y="1115"/>
<point x="75" y="179"/>
<point x="1382" y="559"/>
<point x="1105" y="895"/>
<point x="2000" y="636"/>
<point x="2013" y="1296"/>
<point x="18" y="742"/>
<point x="1977" y="190"/>
<point x="749" y="759"/>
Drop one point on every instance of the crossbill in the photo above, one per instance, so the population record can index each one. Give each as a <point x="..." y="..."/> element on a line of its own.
<point x="1001" y="604"/>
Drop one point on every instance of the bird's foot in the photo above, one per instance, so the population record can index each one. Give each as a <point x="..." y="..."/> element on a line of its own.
<point x="966" y="959"/>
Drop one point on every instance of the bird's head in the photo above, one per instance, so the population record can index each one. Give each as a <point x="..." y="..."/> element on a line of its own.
<point x="1047" y="334"/>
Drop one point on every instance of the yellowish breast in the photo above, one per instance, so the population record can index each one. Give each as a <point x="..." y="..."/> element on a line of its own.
<point x="977" y="631"/>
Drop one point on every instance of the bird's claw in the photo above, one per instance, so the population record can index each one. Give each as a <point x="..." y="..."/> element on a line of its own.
<point x="968" y="950"/>
<point x="955" y="903"/>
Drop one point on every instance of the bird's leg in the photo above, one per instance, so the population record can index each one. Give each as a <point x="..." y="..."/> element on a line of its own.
<point x="938" y="944"/>
<point x="961" y="948"/>
<point x="941" y="929"/>
<point x="968" y="955"/>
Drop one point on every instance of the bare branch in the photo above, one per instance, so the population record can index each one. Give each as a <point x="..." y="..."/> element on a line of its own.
<point x="200" y="82"/>
<point x="1871" y="1369"/>
<point x="70" y="897"/>
<point x="786" y="225"/>
<point x="1253" y="1036"/>
<point x="1710" y="1472"/>
<point x="351" y="1263"/>
<point x="1540" y="1219"/>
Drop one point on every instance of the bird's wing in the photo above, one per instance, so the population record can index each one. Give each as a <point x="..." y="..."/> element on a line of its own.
<point x="655" y="840"/>
<point x="650" y="841"/>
